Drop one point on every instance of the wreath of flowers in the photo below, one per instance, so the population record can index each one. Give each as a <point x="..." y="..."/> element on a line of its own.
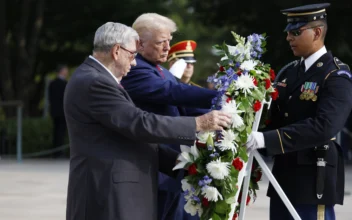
<point x="215" y="162"/>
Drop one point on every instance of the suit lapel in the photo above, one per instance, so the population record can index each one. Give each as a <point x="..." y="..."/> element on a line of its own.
<point x="314" y="69"/>
<point x="102" y="70"/>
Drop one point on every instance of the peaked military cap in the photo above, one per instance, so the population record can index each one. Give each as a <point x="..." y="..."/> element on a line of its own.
<point x="184" y="49"/>
<point x="300" y="16"/>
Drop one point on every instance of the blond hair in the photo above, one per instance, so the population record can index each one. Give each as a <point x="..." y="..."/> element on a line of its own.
<point x="148" y="23"/>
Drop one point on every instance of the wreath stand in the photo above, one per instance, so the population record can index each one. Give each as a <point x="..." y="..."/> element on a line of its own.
<point x="265" y="169"/>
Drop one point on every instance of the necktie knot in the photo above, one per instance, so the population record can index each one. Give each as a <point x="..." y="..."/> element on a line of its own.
<point x="302" y="67"/>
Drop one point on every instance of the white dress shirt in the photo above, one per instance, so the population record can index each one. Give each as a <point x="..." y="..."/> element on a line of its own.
<point x="314" y="57"/>
<point x="90" y="56"/>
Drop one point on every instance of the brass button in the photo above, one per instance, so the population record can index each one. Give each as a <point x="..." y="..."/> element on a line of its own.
<point x="286" y="114"/>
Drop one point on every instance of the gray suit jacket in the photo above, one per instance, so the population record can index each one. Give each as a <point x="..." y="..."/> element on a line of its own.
<point x="113" y="165"/>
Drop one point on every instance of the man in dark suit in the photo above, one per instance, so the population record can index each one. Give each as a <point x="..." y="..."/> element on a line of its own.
<point x="113" y="163"/>
<point x="56" y="99"/>
<point x="154" y="89"/>
<point x="315" y="99"/>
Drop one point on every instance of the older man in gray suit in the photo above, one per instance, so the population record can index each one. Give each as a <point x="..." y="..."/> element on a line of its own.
<point x="113" y="164"/>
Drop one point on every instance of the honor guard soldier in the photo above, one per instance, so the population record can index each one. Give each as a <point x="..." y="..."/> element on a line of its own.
<point x="181" y="60"/>
<point x="315" y="99"/>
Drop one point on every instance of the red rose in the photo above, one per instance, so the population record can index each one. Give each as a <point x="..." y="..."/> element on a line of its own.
<point x="267" y="83"/>
<point x="272" y="75"/>
<point x="205" y="202"/>
<point x="257" y="105"/>
<point x="275" y="94"/>
<point x="228" y="99"/>
<point x="192" y="170"/>
<point x="237" y="164"/>
<point x="235" y="216"/>
<point x="255" y="82"/>
<point x="222" y="69"/>
<point x="240" y="198"/>
<point x="259" y="176"/>
<point x="200" y="145"/>
<point x="239" y="72"/>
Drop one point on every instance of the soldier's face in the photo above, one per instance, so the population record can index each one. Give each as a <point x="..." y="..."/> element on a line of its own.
<point x="301" y="41"/>
<point x="155" y="46"/>
<point x="189" y="70"/>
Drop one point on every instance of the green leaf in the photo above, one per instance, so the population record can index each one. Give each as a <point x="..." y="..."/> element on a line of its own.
<point x="215" y="217"/>
<point x="210" y="141"/>
<point x="242" y="152"/>
<point x="221" y="207"/>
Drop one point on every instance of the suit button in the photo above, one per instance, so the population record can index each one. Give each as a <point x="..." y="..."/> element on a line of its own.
<point x="286" y="114"/>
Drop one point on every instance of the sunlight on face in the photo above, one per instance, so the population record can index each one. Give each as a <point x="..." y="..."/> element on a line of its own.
<point x="155" y="48"/>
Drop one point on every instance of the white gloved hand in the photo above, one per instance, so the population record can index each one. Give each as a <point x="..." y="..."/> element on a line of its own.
<point x="255" y="141"/>
<point x="178" y="68"/>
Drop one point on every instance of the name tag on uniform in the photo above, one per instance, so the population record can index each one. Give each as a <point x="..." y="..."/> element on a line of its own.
<point x="309" y="91"/>
<point x="282" y="83"/>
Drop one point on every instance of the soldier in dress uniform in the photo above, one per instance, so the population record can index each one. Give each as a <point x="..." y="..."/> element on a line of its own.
<point x="315" y="99"/>
<point x="183" y="51"/>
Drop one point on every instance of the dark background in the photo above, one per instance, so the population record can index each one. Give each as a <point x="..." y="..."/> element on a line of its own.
<point x="36" y="35"/>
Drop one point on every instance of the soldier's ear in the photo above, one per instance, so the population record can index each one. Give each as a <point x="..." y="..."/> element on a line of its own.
<point x="317" y="33"/>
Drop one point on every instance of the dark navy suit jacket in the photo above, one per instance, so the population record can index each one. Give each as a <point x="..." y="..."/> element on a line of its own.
<point x="154" y="89"/>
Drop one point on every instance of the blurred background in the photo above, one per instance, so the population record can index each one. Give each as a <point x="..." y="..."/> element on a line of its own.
<point x="43" y="41"/>
<point x="37" y="35"/>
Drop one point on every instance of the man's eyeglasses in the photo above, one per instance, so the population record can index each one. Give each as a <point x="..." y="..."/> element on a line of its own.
<point x="298" y="32"/>
<point x="133" y="54"/>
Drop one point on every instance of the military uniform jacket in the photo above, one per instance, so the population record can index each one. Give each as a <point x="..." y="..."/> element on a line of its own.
<point x="310" y="110"/>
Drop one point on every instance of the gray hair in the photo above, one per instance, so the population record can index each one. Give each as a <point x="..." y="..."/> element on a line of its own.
<point x="147" y="23"/>
<point x="112" y="33"/>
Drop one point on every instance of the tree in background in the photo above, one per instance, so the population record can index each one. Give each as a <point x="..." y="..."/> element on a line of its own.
<point x="36" y="35"/>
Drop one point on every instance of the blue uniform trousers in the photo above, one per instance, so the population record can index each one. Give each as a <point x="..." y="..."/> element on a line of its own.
<point x="278" y="211"/>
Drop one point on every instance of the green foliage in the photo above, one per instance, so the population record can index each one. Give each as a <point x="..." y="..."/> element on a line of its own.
<point x="36" y="134"/>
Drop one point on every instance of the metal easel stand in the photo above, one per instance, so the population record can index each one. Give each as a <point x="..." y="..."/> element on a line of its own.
<point x="265" y="170"/>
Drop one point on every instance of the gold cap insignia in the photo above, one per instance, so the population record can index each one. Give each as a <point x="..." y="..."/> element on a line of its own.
<point x="320" y="64"/>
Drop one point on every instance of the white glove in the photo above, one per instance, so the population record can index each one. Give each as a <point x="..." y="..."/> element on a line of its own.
<point x="178" y="68"/>
<point x="255" y="141"/>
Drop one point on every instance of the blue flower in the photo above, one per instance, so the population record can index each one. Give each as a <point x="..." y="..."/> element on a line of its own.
<point x="207" y="180"/>
<point x="195" y="198"/>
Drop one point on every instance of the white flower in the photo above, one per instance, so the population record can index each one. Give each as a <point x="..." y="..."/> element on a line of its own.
<point x="195" y="152"/>
<point x="245" y="83"/>
<point x="228" y="141"/>
<point x="232" y="109"/>
<point x="190" y="208"/>
<point x="218" y="170"/>
<point x="185" y="157"/>
<point x="204" y="135"/>
<point x="248" y="65"/>
<point x="211" y="193"/>
<point x="240" y="49"/>
<point x="185" y="185"/>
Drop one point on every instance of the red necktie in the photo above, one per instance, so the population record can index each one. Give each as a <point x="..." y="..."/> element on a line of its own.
<point x="160" y="71"/>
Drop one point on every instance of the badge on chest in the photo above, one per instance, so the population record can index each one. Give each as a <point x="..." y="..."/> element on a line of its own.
<point x="309" y="91"/>
<point x="282" y="83"/>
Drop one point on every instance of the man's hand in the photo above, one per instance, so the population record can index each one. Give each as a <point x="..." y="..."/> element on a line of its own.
<point x="213" y="121"/>
<point x="255" y="141"/>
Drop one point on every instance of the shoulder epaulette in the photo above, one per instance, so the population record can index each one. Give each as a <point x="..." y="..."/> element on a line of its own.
<point x="340" y="65"/>
<point x="293" y="63"/>
<point x="341" y="69"/>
